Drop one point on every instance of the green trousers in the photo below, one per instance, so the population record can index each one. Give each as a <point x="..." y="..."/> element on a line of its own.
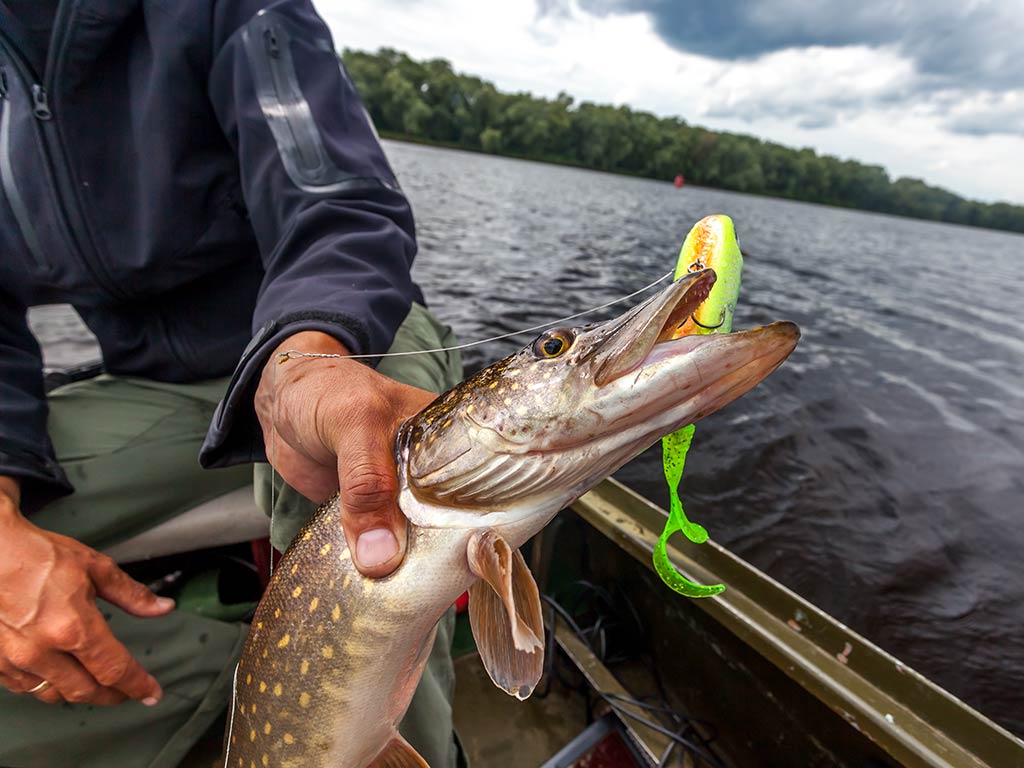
<point x="129" y="446"/>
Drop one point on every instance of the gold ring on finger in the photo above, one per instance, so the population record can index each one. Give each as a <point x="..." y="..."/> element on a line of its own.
<point x="41" y="687"/>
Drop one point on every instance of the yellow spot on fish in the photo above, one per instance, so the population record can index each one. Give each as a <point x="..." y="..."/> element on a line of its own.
<point x="264" y="654"/>
<point x="303" y="699"/>
<point x="277" y="689"/>
<point x="289" y="739"/>
<point x="305" y="667"/>
<point x="259" y="625"/>
<point x="295" y="569"/>
<point x="241" y="762"/>
<point x="469" y="408"/>
<point x="328" y="652"/>
<point x="277" y="613"/>
<point x="345" y="554"/>
<point x="446" y="424"/>
<point x="297" y="591"/>
<point x="254" y="709"/>
<point x="493" y="385"/>
<point x="515" y="386"/>
<point x="248" y="679"/>
<point x="252" y="735"/>
<point x="263" y="686"/>
<point x="284" y="640"/>
<point x="308" y="536"/>
<point x="265" y="760"/>
<point x="325" y="548"/>
<point x="508" y="401"/>
<point x="432" y="438"/>
<point x="266" y="728"/>
<point x="347" y="581"/>
<point x="336" y="612"/>
<point x="313" y="604"/>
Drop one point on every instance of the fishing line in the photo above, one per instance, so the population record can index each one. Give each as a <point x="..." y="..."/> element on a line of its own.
<point x="293" y="353"/>
<point x="231" y="720"/>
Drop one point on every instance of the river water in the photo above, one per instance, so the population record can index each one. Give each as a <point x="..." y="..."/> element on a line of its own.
<point x="879" y="473"/>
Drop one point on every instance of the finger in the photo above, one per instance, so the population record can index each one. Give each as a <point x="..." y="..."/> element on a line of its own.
<point x="314" y="481"/>
<point x="375" y="527"/>
<point x="16" y="681"/>
<point x="71" y="681"/>
<point x="117" y="587"/>
<point x="16" y="684"/>
<point x="50" y="695"/>
<point x="111" y="664"/>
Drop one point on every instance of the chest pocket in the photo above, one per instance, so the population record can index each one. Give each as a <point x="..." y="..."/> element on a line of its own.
<point x="268" y="47"/>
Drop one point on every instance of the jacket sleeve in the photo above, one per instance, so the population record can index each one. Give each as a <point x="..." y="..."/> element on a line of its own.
<point x="335" y="232"/>
<point x="25" y="449"/>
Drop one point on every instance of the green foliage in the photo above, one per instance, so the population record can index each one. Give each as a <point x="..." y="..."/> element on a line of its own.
<point x="490" y="140"/>
<point x="427" y="100"/>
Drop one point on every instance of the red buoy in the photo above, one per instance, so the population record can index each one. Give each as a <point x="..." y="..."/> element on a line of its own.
<point x="679" y="181"/>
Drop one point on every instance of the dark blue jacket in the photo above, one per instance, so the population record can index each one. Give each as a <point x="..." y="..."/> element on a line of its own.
<point x="199" y="179"/>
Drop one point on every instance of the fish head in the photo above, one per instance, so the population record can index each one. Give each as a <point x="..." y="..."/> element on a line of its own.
<point x="534" y="431"/>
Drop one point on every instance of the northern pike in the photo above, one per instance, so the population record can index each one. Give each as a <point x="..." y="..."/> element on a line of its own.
<point x="333" y="657"/>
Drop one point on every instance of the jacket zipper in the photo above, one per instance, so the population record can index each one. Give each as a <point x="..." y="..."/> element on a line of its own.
<point x="58" y="175"/>
<point x="308" y="155"/>
<point x="11" y="191"/>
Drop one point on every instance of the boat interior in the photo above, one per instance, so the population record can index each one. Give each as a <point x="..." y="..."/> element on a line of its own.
<point x="635" y="675"/>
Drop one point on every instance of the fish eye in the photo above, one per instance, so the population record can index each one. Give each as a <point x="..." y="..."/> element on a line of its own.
<point x="552" y="344"/>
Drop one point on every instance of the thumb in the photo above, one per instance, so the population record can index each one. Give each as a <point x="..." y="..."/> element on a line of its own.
<point x="374" y="525"/>
<point x="117" y="587"/>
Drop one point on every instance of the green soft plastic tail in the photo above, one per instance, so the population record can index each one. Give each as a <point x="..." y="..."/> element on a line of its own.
<point x="674" y="448"/>
<point x="711" y="242"/>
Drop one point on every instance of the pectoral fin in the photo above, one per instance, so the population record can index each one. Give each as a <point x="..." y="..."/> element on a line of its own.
<point x="505" y="613"/>
<point x="398" y="754"/>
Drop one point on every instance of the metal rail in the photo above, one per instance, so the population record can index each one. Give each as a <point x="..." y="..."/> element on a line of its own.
<point x="913" y="720"/>
<point x="650" y="743"/>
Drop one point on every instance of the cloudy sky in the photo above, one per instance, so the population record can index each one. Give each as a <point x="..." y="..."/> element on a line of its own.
<point x="926" y="88"/>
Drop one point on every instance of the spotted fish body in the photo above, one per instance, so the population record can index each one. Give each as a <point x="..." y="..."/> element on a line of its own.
<point x="333" y="657"/>
<point x="329" y="647"/>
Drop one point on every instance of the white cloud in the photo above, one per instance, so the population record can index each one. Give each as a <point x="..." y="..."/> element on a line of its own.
<point x="854" y="101"/>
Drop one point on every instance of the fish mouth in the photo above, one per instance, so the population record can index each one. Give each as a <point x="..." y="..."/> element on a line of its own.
<point x="650" y="324"/>
<point x="659" y="378"/>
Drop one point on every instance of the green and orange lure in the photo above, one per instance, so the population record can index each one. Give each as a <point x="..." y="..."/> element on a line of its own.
<point x="711" y="243"/>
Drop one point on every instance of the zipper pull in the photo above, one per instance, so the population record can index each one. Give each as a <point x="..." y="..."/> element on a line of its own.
<point x="270" y="39"/>
<point x="40" y="103"/>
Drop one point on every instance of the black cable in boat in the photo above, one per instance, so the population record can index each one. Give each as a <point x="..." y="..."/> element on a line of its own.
<point x="698" y="751"/>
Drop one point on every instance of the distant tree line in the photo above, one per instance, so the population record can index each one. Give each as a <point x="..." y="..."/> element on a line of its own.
<point x="427" y="100"/>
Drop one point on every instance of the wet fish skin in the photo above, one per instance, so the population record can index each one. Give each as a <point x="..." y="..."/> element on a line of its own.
<point x="330" y="647"/>
<point x="333" y="658"/>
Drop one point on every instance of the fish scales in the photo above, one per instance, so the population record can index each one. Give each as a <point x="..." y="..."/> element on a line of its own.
<point x="333" y="658"/>
<point x="324" y="643"/>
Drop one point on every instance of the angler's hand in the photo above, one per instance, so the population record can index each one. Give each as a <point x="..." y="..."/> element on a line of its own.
<point x="332" y="425"/>
<point x="50" y="627"/>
